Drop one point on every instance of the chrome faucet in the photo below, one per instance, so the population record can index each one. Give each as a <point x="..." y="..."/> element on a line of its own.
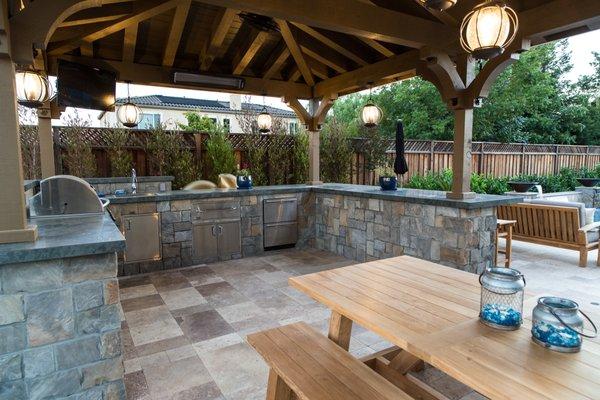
<point x="133" y="181"/>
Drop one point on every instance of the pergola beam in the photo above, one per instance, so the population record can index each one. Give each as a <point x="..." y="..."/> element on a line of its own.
<point x="296" y="52"/>
<point x="129" y="42"/>
<point x="277" y="63"/>
<point x="241" y="62"/>
<point x="351" y="17"/>
<point x="323" y="59"/>
<point x="145" y="74"/>
<point x="222" y="24"/>
<point x="177" y="26"/>
<point x="330" y="43"/>
<point x="378" y="47"/>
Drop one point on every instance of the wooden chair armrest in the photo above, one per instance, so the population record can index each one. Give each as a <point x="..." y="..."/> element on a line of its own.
<point x="589" y="227"/>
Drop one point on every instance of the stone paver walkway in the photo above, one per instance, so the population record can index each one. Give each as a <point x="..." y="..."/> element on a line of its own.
<point x="184" y="330"/>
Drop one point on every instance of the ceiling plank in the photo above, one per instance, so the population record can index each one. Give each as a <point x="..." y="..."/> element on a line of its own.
<point x="129" y="42"/>
<point x="276" y="65"/>
<point x="145" y="74"/>
<point x="148" y="10"/>
<point x="323" y="60"/>
<point x="330" y="43"/>
<point x="257" y="40"/>
<point x="220" y="29"/>
<point x="378" y="47"/>
<point x="352" y="17"/>
<point x="292" y="45"/>
<point x="402" y="65"/>
<point x="177" y="25"/>
<point x="87" y="49"/>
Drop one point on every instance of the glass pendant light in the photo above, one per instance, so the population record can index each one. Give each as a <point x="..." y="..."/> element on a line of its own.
<point x="439" y="5"/>
<point x="488" y="29"/>
<point x="371" y="114"/>
<point x="32" y="88"/>
<point x="264" y="119"/>
<point x="128" y="113"/>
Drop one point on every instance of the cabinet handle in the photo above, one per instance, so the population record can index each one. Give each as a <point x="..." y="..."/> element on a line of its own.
<point x="213" y="231"/>
<point x="128" y="224"/>
<point x="220" y="230"/>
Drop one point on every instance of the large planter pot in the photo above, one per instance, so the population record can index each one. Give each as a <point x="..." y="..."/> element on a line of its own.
<point x="388" y="182"/>
<point x="522" y="187"/>
<point x="588" y="182"/>
<point x="244" y="182"/>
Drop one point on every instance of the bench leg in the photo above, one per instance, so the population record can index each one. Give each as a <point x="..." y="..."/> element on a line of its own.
<point x="277" y="389"/>
<point x="340" y="329"/>
<point x="583" y="256"/>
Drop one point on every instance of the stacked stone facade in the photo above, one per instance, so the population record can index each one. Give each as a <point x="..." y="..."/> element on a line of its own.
<point x="366" y="229"/>
<point x="60" y="330"/>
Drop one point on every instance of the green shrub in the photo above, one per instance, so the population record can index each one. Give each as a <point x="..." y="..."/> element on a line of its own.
<point x="121" y="160"/>
<point x="279" y="160"/>
<point x="220" y="158"/>
<point x="255" y="159"/>
<point x="335" y="153"/>
<point x="431" y="181"/>
<point x="301" y="157"/>
<point x="79" y="158"/>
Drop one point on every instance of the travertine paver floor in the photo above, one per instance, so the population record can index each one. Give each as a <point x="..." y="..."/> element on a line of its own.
<point x="184" y="330"/>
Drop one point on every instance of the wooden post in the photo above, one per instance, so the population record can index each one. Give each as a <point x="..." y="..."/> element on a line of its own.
<point x="46" y="141"/>
<point x="13" y="222"/>
<point x="313" y="158"/>
<point x="461" y="159"/>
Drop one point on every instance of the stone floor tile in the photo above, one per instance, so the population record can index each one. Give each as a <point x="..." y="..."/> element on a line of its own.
<point x="170" y="378"/>
<point x="203" y="326"/>
<point x="151" y="325"/>
<point x="369" y="338"/>
<point x="221" y="294"/>
<point x="171" y="280"/>
<point x="239" y="312"/>
<point x="273" y="278"/>
<point x="159" y="358"/>
<point x="162" y="345"/>
<point x="137" y="291"/>
<point x="139" y="303"/>
<point x="132" y="365"/>
<point x="180" y="312"/>
<point x="207" y="391"/>
<point x="217" y="343"/>
<point x="131" y="281"/>
<point x="136" y="386"/>
<point x="182" y="298"/>
<point x="297" y="296"/>
<point x="254" y="324"/>
<point x="181" y="353"/>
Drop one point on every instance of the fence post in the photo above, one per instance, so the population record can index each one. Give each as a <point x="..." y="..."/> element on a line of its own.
<point x="480" y="163"/>
<point x="522" y="166"/>
<point x="431" y="154"/>
<point x="556" y="160"/>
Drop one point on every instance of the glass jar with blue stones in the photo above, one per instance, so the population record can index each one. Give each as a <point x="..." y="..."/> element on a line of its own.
<point x="502" y="298"/>
<point x="557" y="325"/>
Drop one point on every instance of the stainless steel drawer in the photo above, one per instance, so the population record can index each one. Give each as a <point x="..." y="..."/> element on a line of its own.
<point x="280" y="210"/>
<point x="280" y="234"/>
<point x="215" y="210"/>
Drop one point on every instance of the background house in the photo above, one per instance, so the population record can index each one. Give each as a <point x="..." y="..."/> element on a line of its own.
<point x="170" y="111"/>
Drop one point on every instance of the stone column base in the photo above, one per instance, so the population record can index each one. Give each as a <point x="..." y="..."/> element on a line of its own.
<point x="314" y="183"/>
<point x="460" y="196"/>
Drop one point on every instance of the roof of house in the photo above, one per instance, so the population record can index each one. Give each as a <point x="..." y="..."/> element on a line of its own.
<point x="189" y="104"/>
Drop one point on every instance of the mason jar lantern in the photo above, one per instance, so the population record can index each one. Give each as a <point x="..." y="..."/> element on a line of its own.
<point x="502" y="298"/>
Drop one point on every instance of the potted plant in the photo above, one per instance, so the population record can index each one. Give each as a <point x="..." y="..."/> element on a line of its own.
<point x="388" y="179"/>
<point x="244" y="179"/>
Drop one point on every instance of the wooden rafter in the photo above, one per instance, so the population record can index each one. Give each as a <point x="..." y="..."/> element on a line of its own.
<point x="295" y="75"/>
<point x="323" y="60"/>
<point x="352" y="17"/>
<point x="219" y="31"/>
<point x="148" y="10"/>
<point x="91" y="20"/>
<point x="257" y="39"/>
<point x="177" y="26"/>
<point x="292" y="45"/>
<point x="277" y="63"/>
<point x="87" y="49"/>
<point x="129" y="42"/>
<point x="375" y="45"/>
<point x="330" y="43"/>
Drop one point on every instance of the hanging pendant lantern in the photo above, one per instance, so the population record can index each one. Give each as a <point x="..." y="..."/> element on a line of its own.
<point x="371" y="114"/>
<point x="264" y="119"/>
<point x="32" y="88"/>
<point x="439" y="5"/>
<point x="128" y="113"/>
<point x="488" y="29"/>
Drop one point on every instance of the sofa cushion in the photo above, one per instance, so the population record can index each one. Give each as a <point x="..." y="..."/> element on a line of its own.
<point x="579" y="206"/>
<point x="589" y="215"/>
<point x="592" y="236"/>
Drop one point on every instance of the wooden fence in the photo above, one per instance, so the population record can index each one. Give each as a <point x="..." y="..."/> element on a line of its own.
<point x="423" y="156"/>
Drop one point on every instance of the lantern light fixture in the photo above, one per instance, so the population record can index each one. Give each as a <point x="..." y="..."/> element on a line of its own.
<point x="371" y="114"/>
<point x="128" y="113"/>
<point x="439" y="5"/>
<point x="488" y="29"/>
<point x="264" y="119"/>
<point x="32" y="88"/>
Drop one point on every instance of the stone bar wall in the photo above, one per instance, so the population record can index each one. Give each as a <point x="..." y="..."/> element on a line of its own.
<point x="60" y="330"/>
<point x="366" y="229"/>
<point x="176" y="228"/>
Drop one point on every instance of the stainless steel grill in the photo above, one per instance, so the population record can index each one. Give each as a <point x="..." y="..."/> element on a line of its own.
<point x="65" y="195"/>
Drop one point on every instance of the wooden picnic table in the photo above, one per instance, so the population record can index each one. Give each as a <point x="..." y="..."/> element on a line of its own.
<point x="430" y="312"/>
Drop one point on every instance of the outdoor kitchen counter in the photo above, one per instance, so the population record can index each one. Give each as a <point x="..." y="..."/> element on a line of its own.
<point x="66" y="237"/>
<point x="427" y="197"/>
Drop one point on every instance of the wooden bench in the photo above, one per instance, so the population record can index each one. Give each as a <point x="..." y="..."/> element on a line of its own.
<point x="306" y="364"/>
<point x="550" y="225"/>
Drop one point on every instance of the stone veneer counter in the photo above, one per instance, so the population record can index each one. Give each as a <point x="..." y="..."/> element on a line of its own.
<point x="60" y="324"/>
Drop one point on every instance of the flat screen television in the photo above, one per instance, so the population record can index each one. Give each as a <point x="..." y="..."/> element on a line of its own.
<point x="85" y="87"/>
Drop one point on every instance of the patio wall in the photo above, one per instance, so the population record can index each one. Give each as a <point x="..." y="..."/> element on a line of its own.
<point x="60" y="329"/>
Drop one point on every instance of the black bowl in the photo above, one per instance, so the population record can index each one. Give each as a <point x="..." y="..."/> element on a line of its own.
<point x="522" y="187"/>
<point x="588" y="182"/>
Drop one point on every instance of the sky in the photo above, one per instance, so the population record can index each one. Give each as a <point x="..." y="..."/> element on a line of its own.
<point x="581" y="47"/>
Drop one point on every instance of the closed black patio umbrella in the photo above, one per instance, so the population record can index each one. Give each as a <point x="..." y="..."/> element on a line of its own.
<point x="400" y="165"/>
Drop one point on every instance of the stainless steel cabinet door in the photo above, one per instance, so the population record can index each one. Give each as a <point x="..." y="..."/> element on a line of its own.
<point x="229" y="238"/>
<point x="142" y="237"/>
<point x="205" y="242"/>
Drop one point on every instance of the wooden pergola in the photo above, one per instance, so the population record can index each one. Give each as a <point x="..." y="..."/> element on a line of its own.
<point x="293" y="49"/>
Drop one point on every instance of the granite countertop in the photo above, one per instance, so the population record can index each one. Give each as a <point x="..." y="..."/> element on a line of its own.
<point x="429" y="197"/>
<point x="127" y="179"/>
<point x="66" y="237"/>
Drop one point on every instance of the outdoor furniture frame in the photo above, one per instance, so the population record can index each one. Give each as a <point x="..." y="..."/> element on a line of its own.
<point x="306" y="364"/>
<point x="550" y="225"/>
<point x="504" y="230"/>
<point x="431" y="313"/>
